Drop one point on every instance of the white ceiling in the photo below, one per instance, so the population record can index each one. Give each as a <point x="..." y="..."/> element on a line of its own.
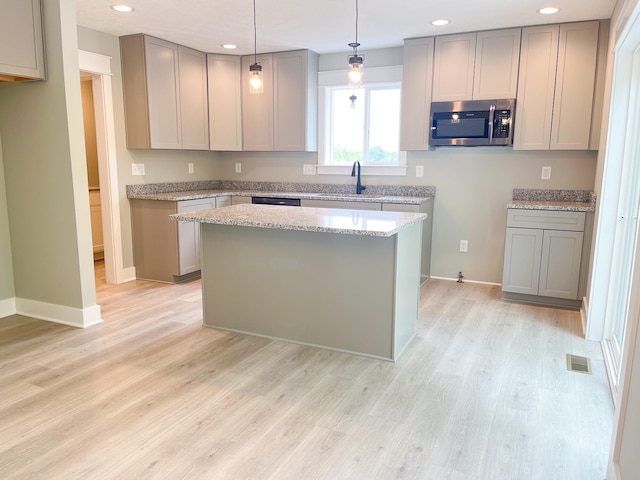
<point x="321" y="25"/>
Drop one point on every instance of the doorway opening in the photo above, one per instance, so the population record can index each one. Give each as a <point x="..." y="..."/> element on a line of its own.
<point x="96" y="68"/>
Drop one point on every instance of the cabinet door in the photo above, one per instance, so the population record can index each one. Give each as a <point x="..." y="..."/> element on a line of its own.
<point x="496" y="64"/>
<point x="163" y="92"/>
<point x="21" y="45"/>
<point x="189" y="236"/>
<point x="194" y="114"/>
<point x="536" y="87"/>
<point x="417" y="78"/>
<point x="291" y="88"/>
<point x="522" y="254"/>
<point x="575" y="79"/>
<point x="257" y="108"/>
<point x="225" y="102"/>
<point x="560" y="264"/>
<point x="453" y="67"/>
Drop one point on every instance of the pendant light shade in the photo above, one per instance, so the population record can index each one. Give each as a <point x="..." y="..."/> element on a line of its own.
<point x="356" y="69"/>
<point x="256" y="84"/>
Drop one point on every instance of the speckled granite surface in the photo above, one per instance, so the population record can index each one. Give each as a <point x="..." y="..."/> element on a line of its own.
<point x="328" y="220"/>
<point x="561" y="200"/>
<point x="402" y="194"/>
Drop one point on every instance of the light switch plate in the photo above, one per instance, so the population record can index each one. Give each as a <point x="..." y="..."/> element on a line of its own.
<point x="137" y="169"/>
<point x="238" y="167"/>
<point x="308" y="169"/>
<point x="190" y="167"/>
<point x="419" y="171"/>
<point x="546" y="173"/>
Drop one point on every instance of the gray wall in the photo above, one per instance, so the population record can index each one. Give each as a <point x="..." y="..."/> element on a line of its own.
<point x="473" y="186"/>
<point x="6" y="267"/>
<point x="160" y="165"/>
<point x="46" y="176"/>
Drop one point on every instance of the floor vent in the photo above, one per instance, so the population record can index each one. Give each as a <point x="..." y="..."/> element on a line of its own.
<point x="575" y="363"/>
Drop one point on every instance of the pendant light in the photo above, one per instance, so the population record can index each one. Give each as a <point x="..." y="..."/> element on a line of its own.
<point x="256" y="85"/>
<point x="355" y="61"/>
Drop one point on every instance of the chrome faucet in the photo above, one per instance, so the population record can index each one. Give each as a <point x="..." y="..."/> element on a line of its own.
<point x="359" y="186"/>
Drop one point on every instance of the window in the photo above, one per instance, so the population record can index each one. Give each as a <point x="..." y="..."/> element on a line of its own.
<point x="364" y="129"/>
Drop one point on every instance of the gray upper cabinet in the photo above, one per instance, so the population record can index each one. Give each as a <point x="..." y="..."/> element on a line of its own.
<point x="284" y="116"/>
<point x="225" y="102"/>
<point x="21" y="42"/>
<point x="496" y="64"/>
<point x="194" y="109"/>
<point x="453" y="67"/>
<point x="476" y="66"/>
<point x="417" y="77"/>
<point x="165" y="94"/>
<point x="556" y="87"/>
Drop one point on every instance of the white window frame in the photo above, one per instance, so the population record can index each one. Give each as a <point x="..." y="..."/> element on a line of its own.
<point x="337" y="78"/>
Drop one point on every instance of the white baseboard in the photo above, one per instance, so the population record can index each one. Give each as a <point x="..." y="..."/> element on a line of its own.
<point x="466" y="281"/>
<point x="74" y="317"/>
<point x="7" y="307"/>
<point x="127" y="275"/>
<point x="583" y="316"/>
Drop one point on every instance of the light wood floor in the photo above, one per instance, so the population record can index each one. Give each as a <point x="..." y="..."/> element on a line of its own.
<point x="481" y="393"/>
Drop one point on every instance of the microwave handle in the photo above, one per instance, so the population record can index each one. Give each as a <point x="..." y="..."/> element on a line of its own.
<point x="492" y="111"/>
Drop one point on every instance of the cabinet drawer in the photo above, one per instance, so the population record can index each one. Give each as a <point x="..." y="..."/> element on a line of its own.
<point x="545" y="219"/>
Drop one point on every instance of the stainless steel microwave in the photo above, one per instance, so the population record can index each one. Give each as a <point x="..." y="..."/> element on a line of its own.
<point x="472" y="123"/>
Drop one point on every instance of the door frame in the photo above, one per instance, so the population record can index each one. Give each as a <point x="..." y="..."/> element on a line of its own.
<point x="100" y="68"/>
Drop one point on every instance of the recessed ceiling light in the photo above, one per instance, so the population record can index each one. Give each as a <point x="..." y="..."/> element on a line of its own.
<point x="229" y="46"/>
<point x="122" y="8"/>
<point x="548" y="10"/>
<point x="440" y="22"/>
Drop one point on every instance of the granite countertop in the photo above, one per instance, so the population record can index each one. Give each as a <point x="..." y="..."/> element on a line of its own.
<point x="327" y="220"/>
<point x="558" y="200"/>
<point x="176" y="192"/>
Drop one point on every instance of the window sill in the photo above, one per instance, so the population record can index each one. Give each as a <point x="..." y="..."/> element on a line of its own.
<point x="398" y="171"/>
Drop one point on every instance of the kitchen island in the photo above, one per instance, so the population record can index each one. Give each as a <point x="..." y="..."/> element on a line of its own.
<point x="348" y="280"/>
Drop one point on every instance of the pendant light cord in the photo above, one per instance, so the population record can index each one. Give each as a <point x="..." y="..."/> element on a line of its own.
<point x="255" y="35"/>
<point x="356" y="47"/>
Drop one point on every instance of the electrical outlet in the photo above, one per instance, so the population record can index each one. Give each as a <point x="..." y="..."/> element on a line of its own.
<point x="137" y="169"/>
<point x="238" y="167"/>
<point x="190" y="166"/>
<point x="308" y="169"/>
<point x="464" y="246"/>
<point x="419" y="171"/>
<point x="546" y="173"/>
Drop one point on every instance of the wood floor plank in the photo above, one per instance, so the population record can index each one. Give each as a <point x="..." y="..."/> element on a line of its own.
<point x="481" y="393"/>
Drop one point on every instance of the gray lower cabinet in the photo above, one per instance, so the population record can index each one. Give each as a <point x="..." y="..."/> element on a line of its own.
<point x="341" y="204"/>
<point x="239" y="199"/>
<point x="543" y="253"/>
<point x="165" y="250"/>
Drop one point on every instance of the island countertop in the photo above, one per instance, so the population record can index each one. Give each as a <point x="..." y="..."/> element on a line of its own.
<point x="327" y="220"/>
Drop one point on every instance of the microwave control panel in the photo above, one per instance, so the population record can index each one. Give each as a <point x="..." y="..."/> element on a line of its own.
<point x="501" y="123"/>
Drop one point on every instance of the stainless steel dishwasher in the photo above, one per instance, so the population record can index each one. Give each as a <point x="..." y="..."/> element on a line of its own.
<point x="291" y="202"/>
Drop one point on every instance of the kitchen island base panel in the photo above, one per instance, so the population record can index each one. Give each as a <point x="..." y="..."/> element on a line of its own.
<point x="351" y="293"/>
